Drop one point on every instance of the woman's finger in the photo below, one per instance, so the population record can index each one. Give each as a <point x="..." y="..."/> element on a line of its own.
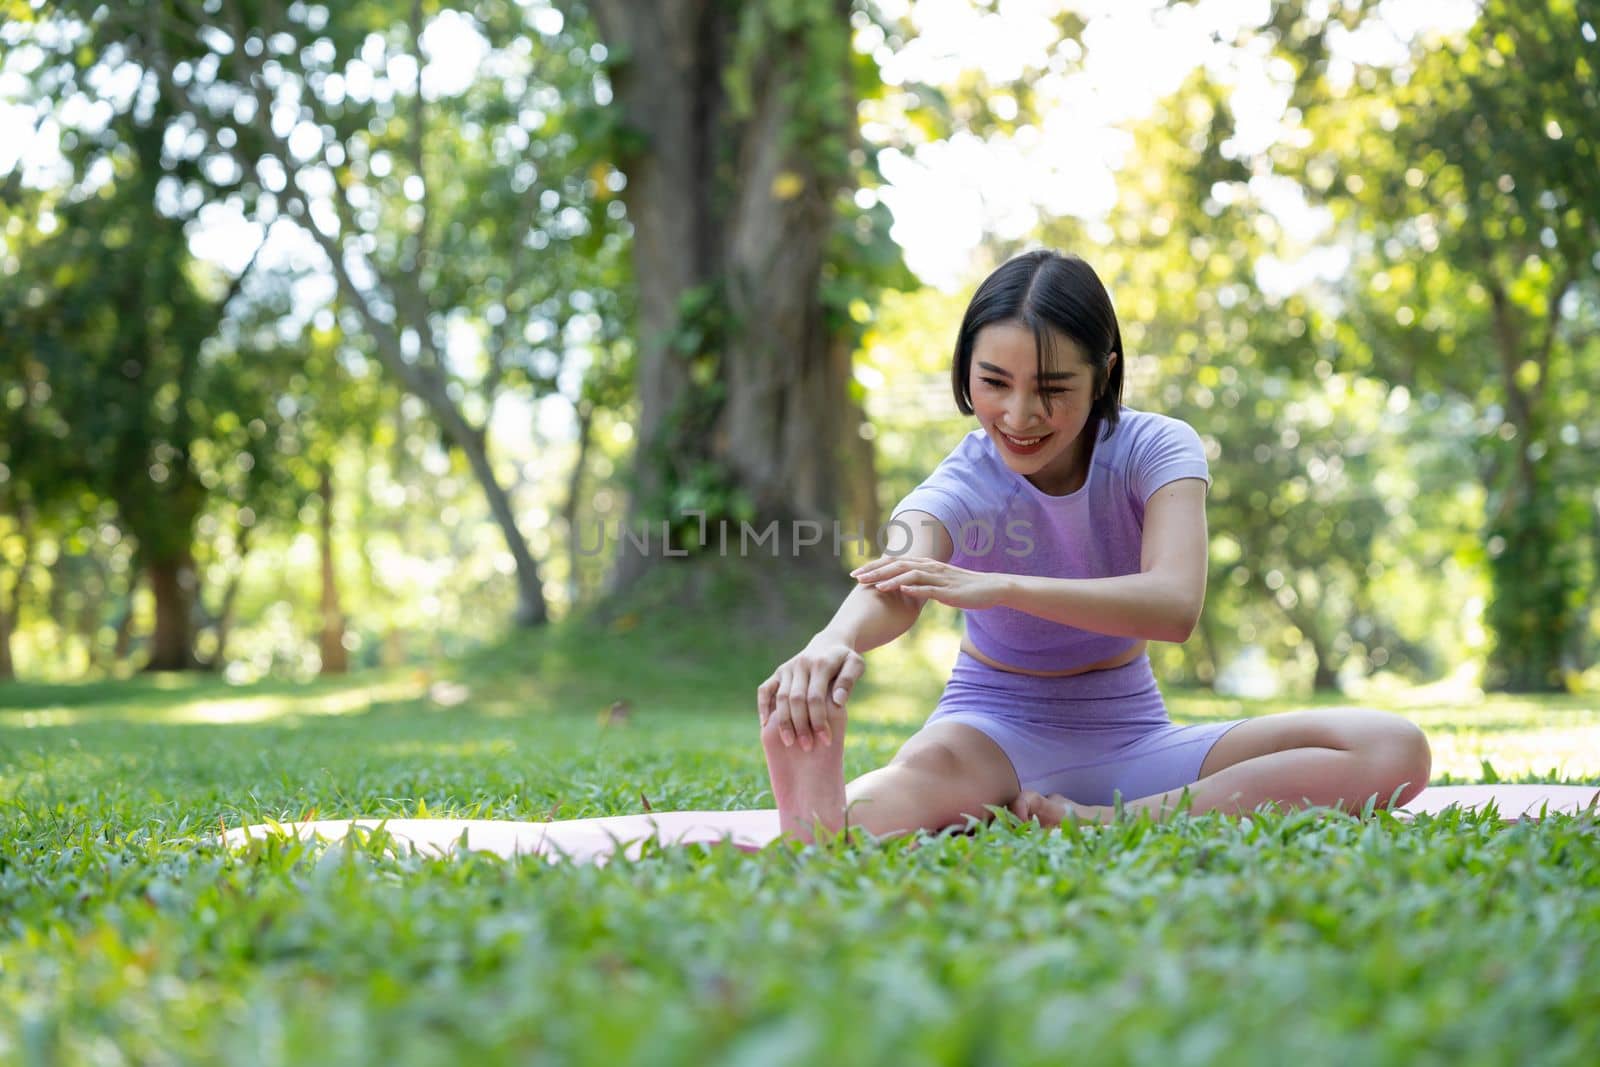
<point x="899" y="581"/>
<point x="854" y="667"/>
<point x="764" y="695"/>
<point x="885" y="566"/>
<point x="817" y="705"/>
<point x="1023" y="806"/>
<point x="799" y="718"/>
<point x="783" y="713"/>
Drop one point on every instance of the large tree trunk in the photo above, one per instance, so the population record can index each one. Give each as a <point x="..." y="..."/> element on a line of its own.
<point x="335" y="660"/>
<point x="731" y="214"/>
<point x="172" y="581"/>
<point x="858" y="457"/>
<point x="1535" y="569"/>
<point x="1535" y="606"/>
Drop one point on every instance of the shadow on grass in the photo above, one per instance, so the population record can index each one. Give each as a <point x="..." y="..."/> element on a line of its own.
<point x="155" y="691"/>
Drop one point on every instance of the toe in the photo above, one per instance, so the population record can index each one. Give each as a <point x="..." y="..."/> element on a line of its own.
<point x="1054" y="808"/>
<point x="1026" y="803"/>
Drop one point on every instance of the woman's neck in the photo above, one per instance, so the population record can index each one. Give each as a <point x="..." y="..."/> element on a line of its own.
<point x="1072" y="470"/>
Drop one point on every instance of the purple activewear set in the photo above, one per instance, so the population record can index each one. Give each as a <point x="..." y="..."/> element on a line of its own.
<point x="1087" y="736"/>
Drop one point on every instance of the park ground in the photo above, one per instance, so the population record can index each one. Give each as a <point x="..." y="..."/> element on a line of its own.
<point x="127" y="936"/>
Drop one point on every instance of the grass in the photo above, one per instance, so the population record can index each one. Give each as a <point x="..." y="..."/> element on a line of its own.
<point x="126" y="937"/>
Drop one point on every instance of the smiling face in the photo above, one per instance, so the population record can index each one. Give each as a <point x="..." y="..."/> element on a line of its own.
<point x="1049" y="448"/>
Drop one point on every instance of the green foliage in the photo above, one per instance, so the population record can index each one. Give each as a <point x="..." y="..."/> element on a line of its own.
<point x="1468" y="175"/>
<point x="143" y="397"/>
<point x="1306" y="464"/>
<point x="692" y="478"/>
<point x="472" y="223"/>
<point x="1540" y="558"/>
<point x="799" y="49"/>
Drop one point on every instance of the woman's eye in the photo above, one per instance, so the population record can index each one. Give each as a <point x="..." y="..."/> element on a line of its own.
<point x="996" y="383"/>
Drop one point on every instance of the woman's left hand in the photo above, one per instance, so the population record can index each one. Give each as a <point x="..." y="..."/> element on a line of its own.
<point x="930" y="579"/>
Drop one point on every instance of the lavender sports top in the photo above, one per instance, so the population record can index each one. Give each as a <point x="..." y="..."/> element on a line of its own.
<point x="1001" y="523"/>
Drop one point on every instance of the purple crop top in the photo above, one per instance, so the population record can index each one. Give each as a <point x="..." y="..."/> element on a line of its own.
<point x="1001" y="523"/>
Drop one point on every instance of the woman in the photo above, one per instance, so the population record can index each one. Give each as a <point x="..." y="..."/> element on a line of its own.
<point x="1071" y="531"/>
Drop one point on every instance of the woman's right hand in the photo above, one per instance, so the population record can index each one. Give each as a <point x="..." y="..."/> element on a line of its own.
<point x="804" y="698"/>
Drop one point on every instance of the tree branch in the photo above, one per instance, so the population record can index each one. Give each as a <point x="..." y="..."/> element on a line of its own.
<point x="498" y="333"/>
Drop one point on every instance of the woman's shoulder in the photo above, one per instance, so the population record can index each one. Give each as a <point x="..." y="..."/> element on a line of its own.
<point x="1143" y="422"/>
<point x="970" y="454"/>
<point x="1150" y="449"/>
<point x="1140" y="429"/>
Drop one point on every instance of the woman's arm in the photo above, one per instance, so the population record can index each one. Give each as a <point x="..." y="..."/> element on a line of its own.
<point x="795" y="698"/>
<point x="870" y="618"/>
<point x="1161" y="603"/>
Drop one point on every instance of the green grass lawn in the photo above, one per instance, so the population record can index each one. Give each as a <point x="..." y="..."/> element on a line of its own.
<point x="125" y="937"/>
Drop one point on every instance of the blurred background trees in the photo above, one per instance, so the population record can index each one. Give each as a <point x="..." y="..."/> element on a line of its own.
<point x="344" y="335"/>
<point x="1468" y="186"/>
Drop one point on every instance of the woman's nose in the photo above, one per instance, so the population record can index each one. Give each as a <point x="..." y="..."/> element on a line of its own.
<point x="1021" y="409"/>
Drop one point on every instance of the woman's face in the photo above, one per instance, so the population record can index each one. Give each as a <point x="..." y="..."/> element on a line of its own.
<point x="1041" y="446"/>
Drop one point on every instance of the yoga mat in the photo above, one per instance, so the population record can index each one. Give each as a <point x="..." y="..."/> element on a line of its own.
<point x="596" y="840"/>
<point x="1514" y="802"/>
<point x="582" y="840"/>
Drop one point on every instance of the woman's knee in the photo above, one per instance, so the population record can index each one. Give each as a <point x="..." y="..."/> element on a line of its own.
<point x="1396" y="738"/>
<point x="1384" y="732"/>
<point x="1410" y="747"/>
<point x="1400" y="754"/>
<point x="935" y="757"/>
<point x="956" y="752"/>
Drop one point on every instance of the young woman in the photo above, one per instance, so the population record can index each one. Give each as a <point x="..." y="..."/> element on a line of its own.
<point x="1071" y="531"/>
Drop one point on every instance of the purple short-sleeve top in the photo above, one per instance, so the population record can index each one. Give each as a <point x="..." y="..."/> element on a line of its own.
<point x="1002" y="523"/>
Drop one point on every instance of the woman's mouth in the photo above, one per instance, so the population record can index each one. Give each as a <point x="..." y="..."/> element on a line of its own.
<point x="1023" y="446"/>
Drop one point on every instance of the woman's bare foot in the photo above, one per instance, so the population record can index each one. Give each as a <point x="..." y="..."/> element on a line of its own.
<point x="1055" y="809"/>
<point x="807" y="786"/>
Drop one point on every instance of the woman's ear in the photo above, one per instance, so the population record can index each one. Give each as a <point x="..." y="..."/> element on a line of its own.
<point x="1105" y="379"/>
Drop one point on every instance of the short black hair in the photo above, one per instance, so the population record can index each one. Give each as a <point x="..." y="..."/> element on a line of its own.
<point x="1042" y="290"/>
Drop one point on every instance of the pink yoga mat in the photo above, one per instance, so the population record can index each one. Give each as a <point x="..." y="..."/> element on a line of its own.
<point x="584" y="840"/>
<point x="596" y="840"/>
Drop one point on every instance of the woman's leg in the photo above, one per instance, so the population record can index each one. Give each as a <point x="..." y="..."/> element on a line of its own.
<point x="1335" y="757"/>
<point x="945" y="772"/>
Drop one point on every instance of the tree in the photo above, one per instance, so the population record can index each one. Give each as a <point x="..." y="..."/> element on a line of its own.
<point x="468" y="222"/>
<point x="741" y="148"/>
<point x="1468" y="183"/>
<point x="1306" y="506"/>
<point x="117" y="328"/>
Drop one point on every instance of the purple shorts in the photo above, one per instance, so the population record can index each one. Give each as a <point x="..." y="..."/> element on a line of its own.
<point x="1087" y="736"/>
